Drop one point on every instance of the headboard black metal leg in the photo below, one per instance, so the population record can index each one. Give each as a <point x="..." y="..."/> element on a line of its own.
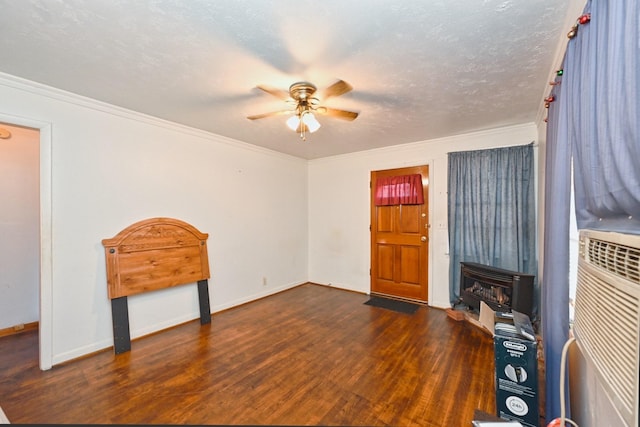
<point x="120" y="318"/>
<point x="203" y="298"/>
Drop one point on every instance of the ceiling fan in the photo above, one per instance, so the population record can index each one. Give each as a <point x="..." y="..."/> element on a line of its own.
<point x="302" y="96"/>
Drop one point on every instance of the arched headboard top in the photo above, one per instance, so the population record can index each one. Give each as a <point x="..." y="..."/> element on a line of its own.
<point x="153" y="254"/>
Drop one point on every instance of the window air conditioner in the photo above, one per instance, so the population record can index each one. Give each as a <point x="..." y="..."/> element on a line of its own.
<point x="607" y="315"/>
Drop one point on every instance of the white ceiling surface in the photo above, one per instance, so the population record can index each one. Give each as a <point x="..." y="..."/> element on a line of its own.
<point x="420" y="69"/>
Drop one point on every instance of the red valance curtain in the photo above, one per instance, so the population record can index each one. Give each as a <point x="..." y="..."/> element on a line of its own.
<point x="399" y="190"/>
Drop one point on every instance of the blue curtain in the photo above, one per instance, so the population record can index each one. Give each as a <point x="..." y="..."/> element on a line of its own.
<point x="604" y="87"/>
<point x="554" y="280"/>
<point x="594" y="122"/>
<point x="491" y="201"/>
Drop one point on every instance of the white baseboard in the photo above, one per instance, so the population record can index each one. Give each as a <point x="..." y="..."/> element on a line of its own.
<point x="3" y="418"/>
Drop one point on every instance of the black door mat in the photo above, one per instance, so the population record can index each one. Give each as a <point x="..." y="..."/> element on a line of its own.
<point x="392" y="304"/>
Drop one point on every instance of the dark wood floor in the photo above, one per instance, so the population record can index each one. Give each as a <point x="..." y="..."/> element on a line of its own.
<point x="307" y="356"/>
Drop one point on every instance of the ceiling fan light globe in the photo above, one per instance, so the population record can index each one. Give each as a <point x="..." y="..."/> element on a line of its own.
<point x="293" y="122"/>
<point x="312" y="123"/>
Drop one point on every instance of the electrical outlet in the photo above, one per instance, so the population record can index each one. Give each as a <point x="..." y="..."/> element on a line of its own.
<point x="264" y="281"/>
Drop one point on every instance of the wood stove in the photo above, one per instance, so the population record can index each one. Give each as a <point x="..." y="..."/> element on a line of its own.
<point x="502" y="290"/>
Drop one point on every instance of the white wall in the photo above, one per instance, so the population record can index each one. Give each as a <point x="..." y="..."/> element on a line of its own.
<point x="339" y="245"/>
<point x="111" y="167"/>
<point x="19" y="227"/>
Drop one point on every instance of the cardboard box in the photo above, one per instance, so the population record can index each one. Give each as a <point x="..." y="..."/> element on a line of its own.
<point x="516" y="363"/>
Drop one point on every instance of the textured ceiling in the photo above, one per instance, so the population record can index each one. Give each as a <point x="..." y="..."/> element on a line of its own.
<point x="421" y="69"/>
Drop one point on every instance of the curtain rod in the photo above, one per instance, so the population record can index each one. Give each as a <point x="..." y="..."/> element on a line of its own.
<point x="533" y="144"/>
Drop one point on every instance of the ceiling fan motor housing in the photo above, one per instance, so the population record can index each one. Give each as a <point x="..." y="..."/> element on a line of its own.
<point x="302" y="90"/>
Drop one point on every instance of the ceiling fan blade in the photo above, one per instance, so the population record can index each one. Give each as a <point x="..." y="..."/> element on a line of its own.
<point x="278" y="93"/>
<point x="338" y="88"/>
<point x="271" y="114"/>
<point x="340" y="114"/>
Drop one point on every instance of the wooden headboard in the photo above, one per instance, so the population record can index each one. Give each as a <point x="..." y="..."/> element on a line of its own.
<point x="154" y="254"/>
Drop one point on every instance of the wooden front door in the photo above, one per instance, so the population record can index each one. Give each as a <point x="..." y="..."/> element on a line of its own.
<point x="400" y="242"/>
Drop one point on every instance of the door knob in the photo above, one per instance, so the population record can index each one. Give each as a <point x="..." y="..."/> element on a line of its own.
<point x="423" y="238"/>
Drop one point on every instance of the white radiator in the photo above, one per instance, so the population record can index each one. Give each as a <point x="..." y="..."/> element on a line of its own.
<point x="607" y="315"/>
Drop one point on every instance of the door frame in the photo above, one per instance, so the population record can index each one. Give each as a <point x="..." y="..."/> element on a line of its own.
<point x="399" y="165"/>
<point x="45" y="330"/>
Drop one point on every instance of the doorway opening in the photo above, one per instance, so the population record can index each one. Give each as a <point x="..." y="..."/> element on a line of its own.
<point x="41" y="226"/>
